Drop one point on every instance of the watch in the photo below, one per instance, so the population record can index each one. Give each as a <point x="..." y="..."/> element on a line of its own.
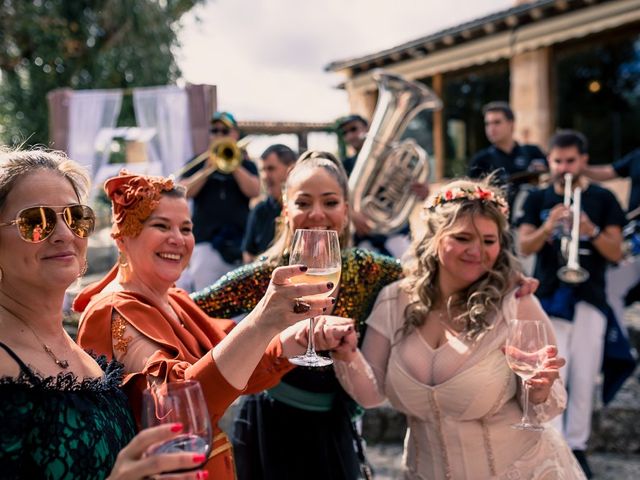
<point x="594" y="235"/>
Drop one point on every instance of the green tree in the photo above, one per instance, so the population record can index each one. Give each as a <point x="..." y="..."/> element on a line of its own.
<point x="81" y="44"/>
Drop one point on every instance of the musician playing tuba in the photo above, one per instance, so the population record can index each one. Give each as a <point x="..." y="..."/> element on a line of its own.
<point x="221" y="185"/>
<point x="577" y="310"/>
<point x="377" y="160"/>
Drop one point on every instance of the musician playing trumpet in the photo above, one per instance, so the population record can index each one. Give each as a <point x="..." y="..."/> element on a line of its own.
<point x="577" y="310"/>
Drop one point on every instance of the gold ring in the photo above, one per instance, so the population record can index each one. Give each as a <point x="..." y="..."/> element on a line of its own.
<point x="300" y="307"/>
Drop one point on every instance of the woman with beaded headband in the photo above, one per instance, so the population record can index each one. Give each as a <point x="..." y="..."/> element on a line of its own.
<point x="269" y="440"/>
<point x="434" y="349"/>
<point x="134" y="314"/>
<point x="63" y="413"/>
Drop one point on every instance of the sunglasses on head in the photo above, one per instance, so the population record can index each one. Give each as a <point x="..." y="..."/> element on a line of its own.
<point x="36" y="224"/>
<point x="219" y="131"/>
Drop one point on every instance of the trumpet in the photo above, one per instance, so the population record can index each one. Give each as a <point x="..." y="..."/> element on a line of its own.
<point x="223" y="154"/>
<point x="572" y="272"/>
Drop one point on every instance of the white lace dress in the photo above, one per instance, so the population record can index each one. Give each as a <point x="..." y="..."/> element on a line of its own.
<point x="460" y="399"/>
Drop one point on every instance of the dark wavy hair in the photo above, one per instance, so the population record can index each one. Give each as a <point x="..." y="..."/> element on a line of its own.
<point x="480" y="299"/>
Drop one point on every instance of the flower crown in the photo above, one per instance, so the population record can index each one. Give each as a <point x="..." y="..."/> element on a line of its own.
<point x="477" y="193"/>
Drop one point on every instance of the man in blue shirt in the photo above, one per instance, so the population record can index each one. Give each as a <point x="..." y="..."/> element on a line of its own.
<point x="516" y="165"/>
<point x="276" y="161"/>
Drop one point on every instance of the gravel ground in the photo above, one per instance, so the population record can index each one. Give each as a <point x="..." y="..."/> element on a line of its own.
<point x="387" y="460"/>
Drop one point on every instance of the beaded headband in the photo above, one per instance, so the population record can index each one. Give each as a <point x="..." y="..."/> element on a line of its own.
<point x="457" y="193"/>
<point x="133" y="199"/>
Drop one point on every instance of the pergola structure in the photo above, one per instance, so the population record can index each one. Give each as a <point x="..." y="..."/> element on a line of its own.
<point x="300" y="129"/>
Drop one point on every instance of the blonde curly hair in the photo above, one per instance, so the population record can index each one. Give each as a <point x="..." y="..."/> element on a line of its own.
<point x="483" y="297"/>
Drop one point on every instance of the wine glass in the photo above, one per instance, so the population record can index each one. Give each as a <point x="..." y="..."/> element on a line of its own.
<point x="525" y="351"/>
<point x="319" y="250"/>
<point x="178" y="402"/>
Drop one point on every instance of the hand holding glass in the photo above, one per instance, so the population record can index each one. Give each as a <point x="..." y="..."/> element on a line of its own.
<point x="319" y="250"/>
<point x="525" y="351"/>
<point x="178" y="402"/>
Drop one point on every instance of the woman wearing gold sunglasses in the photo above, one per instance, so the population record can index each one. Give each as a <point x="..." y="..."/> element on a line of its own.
<point x="63" y="414"/>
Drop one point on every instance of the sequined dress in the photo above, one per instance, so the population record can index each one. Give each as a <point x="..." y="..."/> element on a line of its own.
<point x="61" y="427"/>
<point x="302" y="428"/>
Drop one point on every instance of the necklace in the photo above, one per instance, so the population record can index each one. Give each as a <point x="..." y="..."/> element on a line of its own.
<point x="64" y="364"/>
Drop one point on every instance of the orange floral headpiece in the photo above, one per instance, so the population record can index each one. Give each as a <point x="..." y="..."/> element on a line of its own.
<point x="133" y="199"/>
<point x="477" y="193"/>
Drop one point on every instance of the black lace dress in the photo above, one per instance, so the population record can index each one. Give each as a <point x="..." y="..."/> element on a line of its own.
<point x="61" y="427"/>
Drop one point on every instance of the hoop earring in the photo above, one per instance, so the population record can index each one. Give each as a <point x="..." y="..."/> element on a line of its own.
<point x="84" y="269"/>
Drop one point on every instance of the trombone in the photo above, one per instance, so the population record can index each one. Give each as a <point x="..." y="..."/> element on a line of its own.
<point x="223" y="154"/>
<point x="572" y="272"/>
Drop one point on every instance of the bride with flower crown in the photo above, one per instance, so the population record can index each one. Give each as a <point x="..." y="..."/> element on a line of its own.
<point x="435" y="349"/>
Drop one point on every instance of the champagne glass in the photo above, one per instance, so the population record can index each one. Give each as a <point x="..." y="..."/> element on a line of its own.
<point x="319" y="250"/>
<point x="178" y="402"/>
<point x="525" y="351"/>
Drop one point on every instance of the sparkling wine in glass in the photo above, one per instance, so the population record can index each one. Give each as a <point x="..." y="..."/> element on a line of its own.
<point x="178" y="402"/>
<point x="319" y="250"/>
<point x="525" y="351"/>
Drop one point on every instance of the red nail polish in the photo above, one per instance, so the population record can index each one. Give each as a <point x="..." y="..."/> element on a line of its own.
<point x="199" y="458"/>
<point x="202" y="474"/>
<point x="303" y="268"/>
<point x="330" y="285"/>
<point x="176" y="427"/>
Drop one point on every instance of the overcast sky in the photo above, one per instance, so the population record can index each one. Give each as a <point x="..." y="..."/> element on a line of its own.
<point x="267" y="57"/>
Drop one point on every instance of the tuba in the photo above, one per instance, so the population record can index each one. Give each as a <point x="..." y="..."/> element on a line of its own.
<point x="385" y="167"/>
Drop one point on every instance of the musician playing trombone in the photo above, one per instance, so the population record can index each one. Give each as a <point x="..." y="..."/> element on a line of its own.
<point x="220" y="206"/>
<point x="577" y="310"/>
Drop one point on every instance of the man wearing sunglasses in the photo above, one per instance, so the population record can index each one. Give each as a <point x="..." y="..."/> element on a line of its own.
<point x="220" y="210"/>
<point x="353" y="131"/>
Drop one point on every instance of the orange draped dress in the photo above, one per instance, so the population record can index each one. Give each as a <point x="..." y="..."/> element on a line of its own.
<point x="183" y="353"/>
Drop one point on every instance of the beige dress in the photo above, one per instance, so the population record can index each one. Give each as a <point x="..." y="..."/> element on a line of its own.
<point x="460" y="399"/>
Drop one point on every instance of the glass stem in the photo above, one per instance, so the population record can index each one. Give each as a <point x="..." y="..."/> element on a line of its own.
<point x="311" y="351"/>
<point x="525" y="407"/>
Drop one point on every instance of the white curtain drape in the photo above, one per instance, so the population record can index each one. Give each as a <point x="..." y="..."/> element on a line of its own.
<point x="166" y="110"/>
<point x="89" y="112"/>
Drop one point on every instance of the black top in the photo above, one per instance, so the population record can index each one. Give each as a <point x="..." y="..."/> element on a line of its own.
<point x="61" y="427"/>
<point x="348" y="163"/>
<point x="603" y="209"/>
<point x="261" y="226"/>
<point x="220" y="211"/>
<point x="521" y="158"/>
<point x="629" y="166"/>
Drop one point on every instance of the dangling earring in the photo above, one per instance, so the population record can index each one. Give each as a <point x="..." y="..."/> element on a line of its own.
<point x="84" y="269"/>
<point x="123" y="265"/>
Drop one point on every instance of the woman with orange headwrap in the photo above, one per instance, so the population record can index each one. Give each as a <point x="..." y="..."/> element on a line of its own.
<point x="136" y="316"/>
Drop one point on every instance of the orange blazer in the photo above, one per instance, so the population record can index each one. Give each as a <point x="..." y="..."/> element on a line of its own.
<point x="184" y="354"/>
